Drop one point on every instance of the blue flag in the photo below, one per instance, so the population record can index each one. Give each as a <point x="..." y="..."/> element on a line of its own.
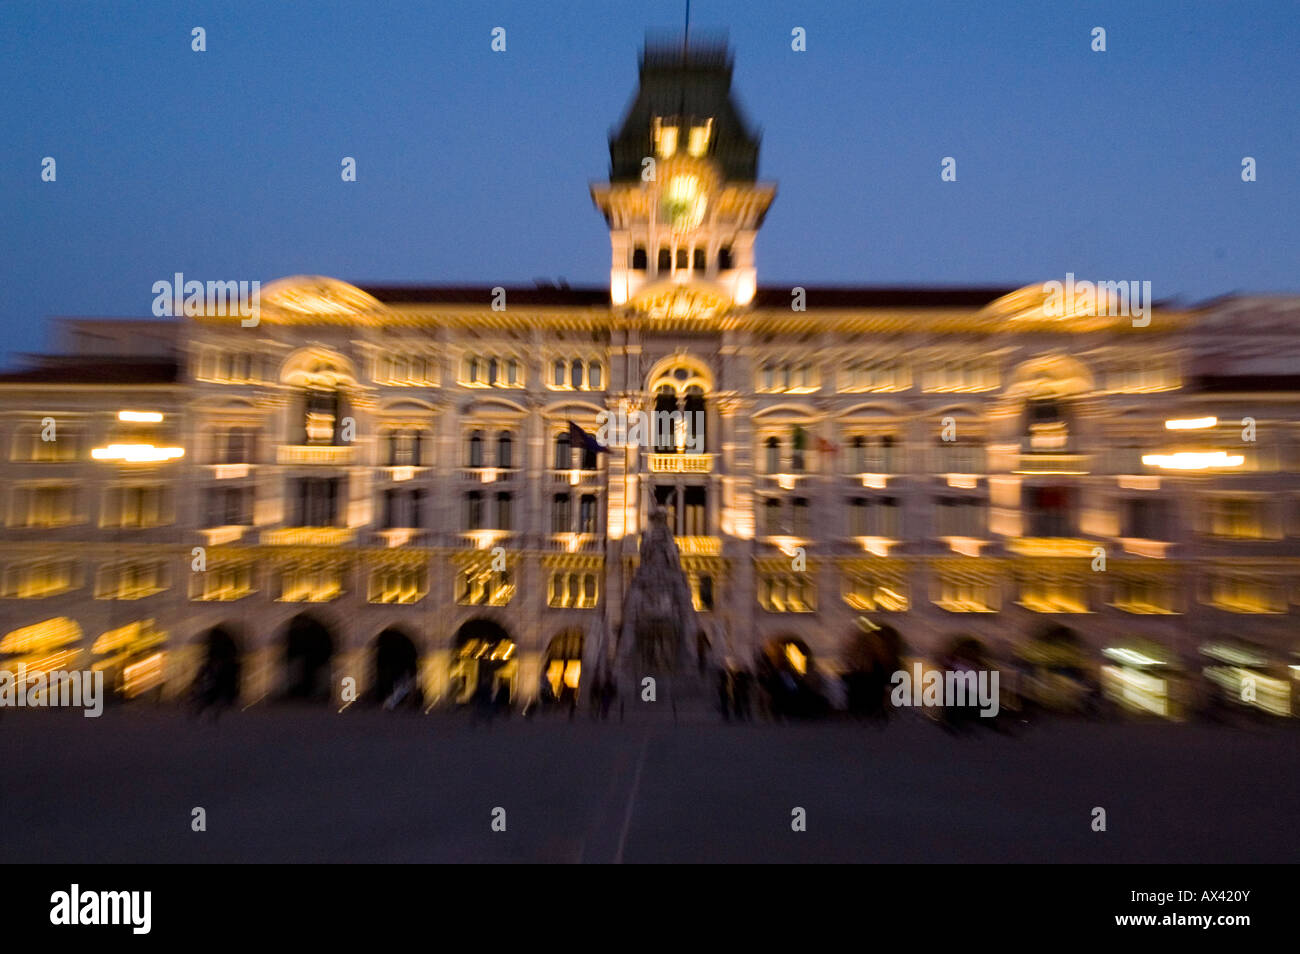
<point x="580" y="438"/>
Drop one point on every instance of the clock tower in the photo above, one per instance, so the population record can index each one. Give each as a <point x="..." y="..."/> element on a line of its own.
<point x="682" y="202"/>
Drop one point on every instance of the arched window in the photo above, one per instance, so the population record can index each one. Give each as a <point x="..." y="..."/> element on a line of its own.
<point x="664" y="421"/>
<point x="476" y="449"/>
<point x="638" y="258"/>
<point x="724" y="258"/>
<point x="682" y="259"/>
<point x="557" y="373"/>
<point x="471" y="370"/>
<point x="698" y="263"/>
<point x="575" y="375"/>
<point x="665" y="260"/>
<point x="594" y="377"/>
<point x="512" y="372"/>
<point x="773" y="455"/>
<point x="505" y="446"/>
<point x="321" y="416"/>
<point x="1047" y="425"/>
<point x="563" y="451"/>
<point x="492" y="372"/>
<point x="696" y="420"/>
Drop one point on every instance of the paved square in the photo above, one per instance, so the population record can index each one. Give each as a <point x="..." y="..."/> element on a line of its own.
<point x="315" y="786"/>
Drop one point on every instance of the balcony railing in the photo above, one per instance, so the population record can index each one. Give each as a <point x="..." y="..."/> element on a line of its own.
<point x="1058" y="464"/>
<point x="699" y="546"/>
<point x="574" y="477"/>
<point x="682" y="463"/>
<point x="307" y="536"/>
<point x="315" y="454"/>
<point x="487" y="475"/>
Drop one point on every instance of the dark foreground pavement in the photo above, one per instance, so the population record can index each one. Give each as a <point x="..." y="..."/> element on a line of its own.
<point x="317" y="786"/>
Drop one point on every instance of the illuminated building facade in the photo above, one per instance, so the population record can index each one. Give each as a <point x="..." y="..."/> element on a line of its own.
<point x="378" y="481"/>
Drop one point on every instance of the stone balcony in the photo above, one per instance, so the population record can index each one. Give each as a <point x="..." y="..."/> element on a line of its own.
<point x="307" y="536"/>
<point x="488" y="475"/>
<point x="314" y="454"/>
<point x="681" y="463"/>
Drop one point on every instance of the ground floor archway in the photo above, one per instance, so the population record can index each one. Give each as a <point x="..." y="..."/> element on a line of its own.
<point x="787" y="673"/>
<point x="308" y="651"/>
<point x="220" y="673"/>
<point x="395" y="676"/>
<point x="562" y="667"/>
<point x="872" y="654"/>
<point x="484" y="664"/>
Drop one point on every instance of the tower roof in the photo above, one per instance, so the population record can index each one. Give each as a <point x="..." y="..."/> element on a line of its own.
<point x="686" y="83"/>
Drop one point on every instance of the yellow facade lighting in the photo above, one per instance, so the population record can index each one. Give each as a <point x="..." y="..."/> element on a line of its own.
<point x="1193" y="460"/>
<point x="1190" y="423"/>
<point x="137" y="453"/>
<point x="140" y="417"/>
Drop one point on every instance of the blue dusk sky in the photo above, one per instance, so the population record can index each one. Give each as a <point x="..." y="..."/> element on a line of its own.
<point x="474" y="166"/>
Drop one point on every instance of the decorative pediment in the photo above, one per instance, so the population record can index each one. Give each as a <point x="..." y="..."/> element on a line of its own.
<point x="307" y="297"/>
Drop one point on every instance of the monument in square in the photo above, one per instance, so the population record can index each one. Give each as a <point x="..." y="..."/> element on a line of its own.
<point x="660" y="635"/>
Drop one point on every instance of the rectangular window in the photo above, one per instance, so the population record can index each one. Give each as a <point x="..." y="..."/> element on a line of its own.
<point x="561" y="514"/>
<point x="222" y="582"/>
<point x="45" y="506"/>
<point x="28" y="581"/>
<point x="311" y="583"/>
<point x="587" y="514"/>
<point x="481" y="586"/>
<point x="1146" y="518"/>
<point x="872" y="593"/>
<point x="959" y="517"/>
<point x="130" y="580"/>
<point x="787" y="593"/>
<point x="966" y="592"/>
<point x="1239" y="518"/>
<point x="317" y="501"/>
<point x="398" y="584"/>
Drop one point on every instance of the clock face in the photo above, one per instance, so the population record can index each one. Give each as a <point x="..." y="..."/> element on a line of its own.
<point x="684" y="202"/>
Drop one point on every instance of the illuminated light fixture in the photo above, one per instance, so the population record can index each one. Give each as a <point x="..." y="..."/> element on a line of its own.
<point x="786" y="481"/>
<point x="229" y="471"/>
<point x="407" y="473"/>
<point x="1190" y="423"/>
<point x="746" y="286"/>
<point x="875" y="481"/>
<point x="485" y="539"/>
<point x="1139" y="482"/>
<point x="618" y="291"/>
<point x="140" y="417"/>
<point x="966" y="546"/>
<point x="1131" y="657"/>
<point x="876" y="546"/>
<point x="136" y="453"/>
<point x="788" y="545"/>
<point x="1193" y="460"/>
<point x="1234" y="656"/>
<point x="963" y="481"/>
